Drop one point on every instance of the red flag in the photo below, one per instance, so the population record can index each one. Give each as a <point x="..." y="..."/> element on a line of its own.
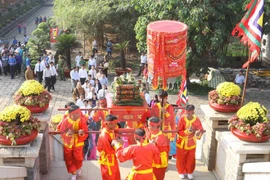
<point x="53" y="34"/>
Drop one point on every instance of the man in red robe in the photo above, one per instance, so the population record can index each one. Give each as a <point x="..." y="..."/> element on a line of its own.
<point x="107" y="160"/>
<point x="165" y="112"/>
<point x="162" y="143"/>
<point x="189" y="130"/>
<point x="73" y="132"/>
<point x="142" y="154"/>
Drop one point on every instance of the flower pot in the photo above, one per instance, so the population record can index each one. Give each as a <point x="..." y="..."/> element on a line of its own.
<point x="120" y="71"/>
<point x="224" y="108"/>
<point x="37" y="109"/>
<point x="249" y="138"/>
<point x="21" y="140"/>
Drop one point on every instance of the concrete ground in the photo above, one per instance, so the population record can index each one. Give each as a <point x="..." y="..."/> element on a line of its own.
<point x="63" y="94"/>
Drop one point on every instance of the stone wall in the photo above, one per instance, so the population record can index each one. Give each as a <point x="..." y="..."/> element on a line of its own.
<point x="253" y="80"/>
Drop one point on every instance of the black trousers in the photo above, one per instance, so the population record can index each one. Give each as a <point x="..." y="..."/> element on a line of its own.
<point x="48" y="83"/>
<point x="82" y="80"/>
<point x="53" y="81"/>
<point x="5" y="69"/>
<point x="18" y="68"/>
<point x="40" y="76"/>
<point x="141" y="69"/>
<point x="12" y="71"/>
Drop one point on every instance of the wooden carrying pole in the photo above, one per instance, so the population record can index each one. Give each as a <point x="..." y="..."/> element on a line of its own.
<point x="245" y="84"/>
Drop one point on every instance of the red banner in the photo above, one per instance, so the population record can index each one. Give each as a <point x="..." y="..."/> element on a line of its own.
<point x="166" y="48"/>
<point x="53" y="34"/>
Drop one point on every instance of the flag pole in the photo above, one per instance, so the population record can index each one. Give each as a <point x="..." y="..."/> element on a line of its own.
<point x="245" y="84"/>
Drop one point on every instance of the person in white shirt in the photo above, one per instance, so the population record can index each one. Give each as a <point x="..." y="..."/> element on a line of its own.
<point x="97" y="86"/>
<point x="92" y="62"/>
<point x="85" y="87"/>
<point x="85" y="107"/>
<point x="82" y="74"/>
<point x="78" y="58"/>
<point x="94" y="46"/>
<point x="79" y="102"/>
<point x="240" y="79"/>
<point x="47" y="77"/>
<point x="53" y="75"/>
<point x="143" y="62"/>
<point x="103" y="80"/>
<point x="51" y="57"/>
<point x="39" y="71"/>
<point x="102" y="92"/>
<point x="106" y="67"/>
<point x="98" y="75"/>
<point x="91" y="80"/>
<point x="92" y="72"/>
<point x="74" y="77"/>
<point x="91" y="92"/>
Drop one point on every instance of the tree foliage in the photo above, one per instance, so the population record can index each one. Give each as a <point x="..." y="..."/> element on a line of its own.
<point x="65" y="43"/>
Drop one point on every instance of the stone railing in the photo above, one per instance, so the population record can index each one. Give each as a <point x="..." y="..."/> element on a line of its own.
<point x="258" y="170"/>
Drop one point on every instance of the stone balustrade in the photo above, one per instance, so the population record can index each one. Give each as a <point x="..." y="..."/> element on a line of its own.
<point x="12" y="173"/>
<point x="259" y="170"/>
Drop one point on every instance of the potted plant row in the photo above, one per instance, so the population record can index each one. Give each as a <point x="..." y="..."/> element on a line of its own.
<point x="226" y="98"/>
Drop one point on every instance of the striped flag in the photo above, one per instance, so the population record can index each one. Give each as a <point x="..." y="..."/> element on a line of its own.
<point x="250" y="28"/>
<point x="182" y="100"/>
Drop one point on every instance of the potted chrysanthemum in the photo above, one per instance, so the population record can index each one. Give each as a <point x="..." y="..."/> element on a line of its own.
<point x="32" y="95"/>
<point x="226" y="97"/>
<point x="250" y="123"/>
<point x="55" y="120"/>
<point x="17" y="126"/>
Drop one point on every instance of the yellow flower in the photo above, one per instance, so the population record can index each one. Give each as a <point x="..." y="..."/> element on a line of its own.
<point x="57" y="118"/>
<point x="30" y="87"/>
<point x="13" y="112"/>
<point x="228" y="89"/>
<point x="253" y="112"/>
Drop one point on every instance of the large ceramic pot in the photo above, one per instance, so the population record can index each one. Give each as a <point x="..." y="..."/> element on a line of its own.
<point x="224" y="108"/>
<point x="120" y="71"/>
<point x="37" y="109"/>
<point x="21" y="140"/>
<point x="249" y="138"/>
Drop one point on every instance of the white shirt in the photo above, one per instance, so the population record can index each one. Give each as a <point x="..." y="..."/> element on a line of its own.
<point x="85" y="107"/>
<point x="37" y="66"/>
<point x="25" y="39"/>
<point x="86" y="88"/>
<point x="98" y="75"/>
<point x="92" y="82"/>
<point x="53" y="71"/>
<point x="83" y="73"/>
<point x="143" y="59"/>
<point x="80" y="103"/>
<point x="77" y="59"/>
<point x="89" y="94"/>
<point x="92" y="62"/>
<point x="43" y="63"/>
<point x="239" y="79"/>
<point x="93" y="73"/>
<point x="94" y="44"/>
<point x="74" y="75"/>
<point x="46" y="73"/>
<point x="101" y="93"/>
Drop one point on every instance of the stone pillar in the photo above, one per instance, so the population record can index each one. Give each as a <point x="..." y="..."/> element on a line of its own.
<point x="232" y="153"/>
<point x="266" y="47"/>
<point x="44" y="154"/>
<point x="214" y="121"/>
<point x="23" y="156"/>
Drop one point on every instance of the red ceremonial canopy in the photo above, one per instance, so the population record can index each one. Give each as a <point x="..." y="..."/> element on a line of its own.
<point x="166" y="48"/>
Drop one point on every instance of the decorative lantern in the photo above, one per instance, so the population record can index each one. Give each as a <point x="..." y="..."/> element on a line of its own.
<point x="166" y="46"/>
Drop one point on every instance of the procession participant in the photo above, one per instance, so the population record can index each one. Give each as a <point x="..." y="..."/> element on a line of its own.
<point x="142" y="154"/>
<point x="78" y="58"/>
<point x="73" y="134"/>
<point x="78" y="91"/>
<point x="29" y="74"/>
<point x="189" y="129"/>
<point x="74" y="77"/>
<point x="53" y="74"/>
<point x="165" y="112"/>
<point x="100" y="115"/>
<point x="47" y="78"/>
<point x="61" y="67"/>
<point x="162" y="143"/>
<point x="107" y="160"/>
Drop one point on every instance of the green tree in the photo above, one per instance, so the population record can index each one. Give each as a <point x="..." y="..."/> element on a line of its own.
<point x="122" y="46"/>
<point x="65" y="43"/>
